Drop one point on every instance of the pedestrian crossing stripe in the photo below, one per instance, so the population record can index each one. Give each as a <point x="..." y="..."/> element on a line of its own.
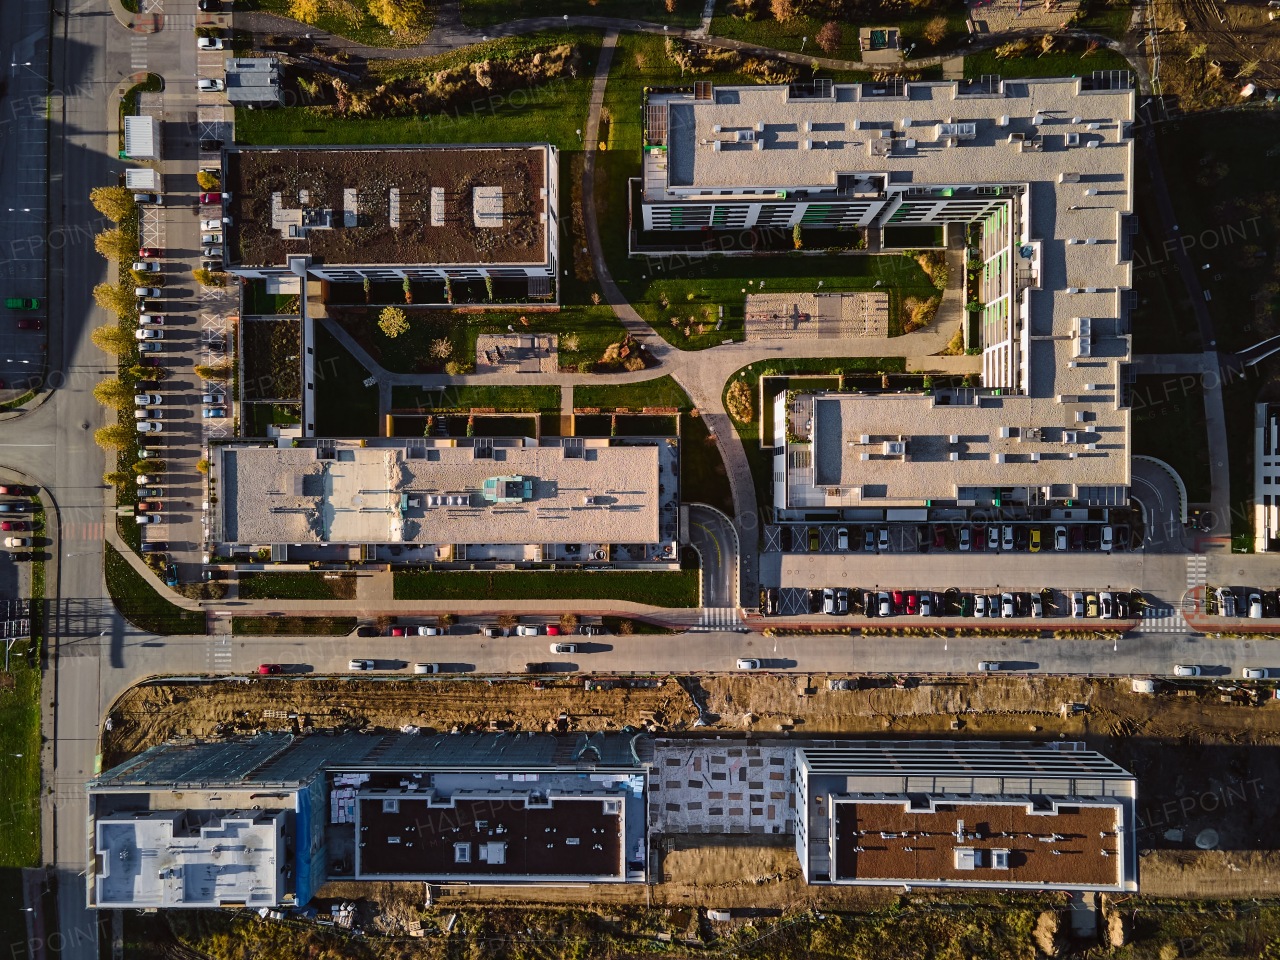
<point x="711" y="618"/>
<point x="1162" y="620"/>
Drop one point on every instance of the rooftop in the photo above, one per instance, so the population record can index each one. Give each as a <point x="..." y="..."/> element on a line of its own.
<point x="1071" y="844"/>
<point x="253" y="79"/>
<point x="428" y="205"/>
<point x="190" y="859"/>
<point x="442" y="491"/>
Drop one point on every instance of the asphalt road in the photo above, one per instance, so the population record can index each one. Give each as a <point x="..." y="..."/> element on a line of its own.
<point x="713" y="535"/>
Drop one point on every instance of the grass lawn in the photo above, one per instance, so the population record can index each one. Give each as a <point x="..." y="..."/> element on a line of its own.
<point x="257" y="302"/>
<point x="20" y="772"/>
<point x="703" y="478"/>
<point x="139" y="603"/>
<point x="787" y="35"/>
<point x="1169" y="424"/>
<point x="298" y="586"/>
<point x="530" y="399"/>
<point x="345" y="407"/>
<point x="552" y="112"/>
<point x="292" y="626"/>
<point x="482" y="13"/>
<point x="659" y="392"/>
<point x="662" y="589"/>
<point x="350" y="19"/>
<point x="1067" y="63"/>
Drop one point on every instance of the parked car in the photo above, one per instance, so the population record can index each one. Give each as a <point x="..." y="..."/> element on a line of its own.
<point x="1226" y="602"/>
<point x="15" y="542"/>
<point x="989" y="666"/>
<point x="151" y="319"/>
<point x="528" y="630"/>
<point x="210" y="145"/>
<point x="148" y="333"/>
<point x="1108" y="539"/>
<point x="1107" y="605"/>
<point x="153" y="198"/>
<point x="842" y="539"/>
<point x="145" y="518"/>
<point x="1037" y="605"/>
<point x="150" y="346"/>
<point x="209" y="6"/>
<point x="213" y="413"/>
<point x="1077" y="537"/>
<point x="18" y="506"/>
<point x="993" y="537"/>
<point x="1255" y="606"/>
<point x="145" y="399"/>
<point x="595" y="630"/>
<point x="926" y="604"/>
<point x="1077" y="604"/>
<point x="155" y="546"/>
<point x="842" y="601"/>
<point x="494" y="632"/>
<point x="553" y="630"/>
<point x="828" y="601"/>
<point x="17" y="490"/>
<point x="212" y="251"/>
<point x="1035" y="539"/>
<point x="426" y="668"/>
<point x="211" y="197"/>
<point x="30" y="323"/>
<point x="431" y="631"/>
<point x="1186" y="670"/>
<point x="21" y="303"/>
<point x="211" y="398"/>
<point x="1259" y="673"/>
<point x="269" y="669"/>
<point x="146" y="292"/>
<point x="1006" y="605"/>
<point x="145" y="413"/>
<point x="980" y="605"/>
<point x="962" y="539"/>
<point x="1090" y="604"/>
<point x="209" y="43"/>
<point x="885" y="608"/>
<point x="1060" y="538"/>
<point x="148" y="251"/>
<point x="210" y="85"/>
<point x="882" y="539"/>
<point x="360" y="664"/>
<point x="1006" y="538"/>
<point x="398" y="631"/>
<point x="564" y="648"/>
<point x="7" y="525"/>
<point x="146" y="266"/>
<point x="869" y="540"/>
<point x="748" y="663"/>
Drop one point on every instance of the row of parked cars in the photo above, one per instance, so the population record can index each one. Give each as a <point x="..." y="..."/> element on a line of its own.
<point x="842" y="601"/>
<point x="12" y="524"/>
<point x="993" y="537"/>
<point x="1243" y="602"/>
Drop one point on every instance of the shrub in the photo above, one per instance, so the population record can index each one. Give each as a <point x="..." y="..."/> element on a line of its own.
<point x="208" y="180"/>
<point x="783" y="10"/>
<point x="738" y="402"/>
<point x="935" y="31"/>
<point x="828" y="38"/>
<point x="393" y="321"/>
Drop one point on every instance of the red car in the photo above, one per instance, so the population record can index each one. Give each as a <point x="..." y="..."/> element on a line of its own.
<point x="913" y="604"/>
<point x="16" y="490"/>
<point x="553" y="630"/>
<point x="897" y="601"/>
<point x="399" y="631"/>
<point x="14" y="525"/>
<point x="155" y="506"/>
<point x="269" y="669"/>
<point x="30" y="323"/>
<point x="148" y="252"/>
<point x="210" y="198"/>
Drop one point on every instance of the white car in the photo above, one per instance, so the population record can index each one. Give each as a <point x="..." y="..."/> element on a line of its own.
<point x="1108" y="539"/>
<point x="1007" y="538"/>
<point x="211" y="398"/>
<point x="993" y="537"/>
<point x="146" y="292"/>
<point x="564" y="648"/>
<point x="147" y="413"/>
<point x="748" y="663"/>
<point x="1108" y="604"/>
<point x="17" y="542"/>
<point x="210" y="224"/>
<point x="430" y="632"/>
<point x="886" y="608"/>
<point x="426" y="668"/>
<point x="926" y="604"/>
<point x="1077" y="604"/>
<point x="145" y="518"/>
<point x="1255" y="606"/>
<point x="1060" y="538"/>
<point x="207" y="85"/>
<point x="963" y="539"/>
<point x="989" y="666"/>
<point x="1006" y="605"/>
<point x="210" y="43"/>
<point x="151" y="319"/>
<point x="150" y="426"/>
<point x="1186" y="670"/>
<point x="146" y="399"/>
<point x="1037" y="605"/>
<point x="980" y="605"/>
<point x="360" y="665"/>
<point x="146" y="266"/>
<point x="842" y="539"/>
<point x="147" y="333"/>
<point x="528" y="630"/>
<point x="1259" y="673"/>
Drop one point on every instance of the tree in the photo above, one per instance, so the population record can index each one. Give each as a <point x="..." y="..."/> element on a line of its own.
<point x="114" y="298"/>
<point x="202" y="465"/>
<point x="442" y="349"/>
<point x="114" y="203"/>
<point x="111" y="339"/>
<point x="797" y="237"/>
<point x="393" y="321"/>
<point x="506" y="621"/>
<point x="209" y="278"/>
<point x="117" y="478"/>
<point x="828" y="38"/>
<point x="307" y="11"/>
<point x="113" y="435"/>
<point x="143" y="467"/>
<point x="737" y="402"/>
<point x="113" y="392"/>
<point x="209" y="179"/>
<point x="454" y="369"/>
<point x="140" y="371"/>
<point x="935" y="31"/>
<point x="398" y="14"/>
<point x="783" y="10"/>
<point x="220" y="371"/>
<point x="568" y="622"/>
<point x="114" y="244"/>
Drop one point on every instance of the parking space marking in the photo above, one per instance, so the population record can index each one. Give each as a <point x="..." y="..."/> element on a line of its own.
<point x="151" y="227"/>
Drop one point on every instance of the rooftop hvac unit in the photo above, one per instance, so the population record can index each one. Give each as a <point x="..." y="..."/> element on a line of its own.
<point x="999" y="859"/>
<point x="1072" y="455"/>
<point x="1068" y="436"/>
<point x="1093" y="386"/>
<point x="908" y="144"/>
<point x="1090" y="289"/>
<point x="1091" y="446"/>
<point x="999" y="458"/>
<point x="1092" y="241"/>
<point x="808" y="126"/>
<point x="1093" y="126"/>
<point x="745" y="136"/>
<point x="955" y="438"/>
<point x="1080" y="416"/>
<point x="759" y="145"/>
<point x="906" y="122"/>
<point x="1077" y="119"/>
<point x="716" y="128"/>
<point x="857" y="124"/>
<point x="1035" y="458"/>
<point x="865" y="438"/>
<point x="1072" y="241"/>
<point x="1006" y="432"/>
<point x="955" y="455"/>
<point x="716" y="146"/>
<point x="1003" y="120"/>
<point x="808" y="144"/>
<point x="1091" y="191"/>
<point x="864" y="456"/>
<point x="1037" y="120"/>
<point x="1068" y="178"/>
<point x="1073" y="139"/>
<point x="895" y="448"/>
<point x="759" y="126"/>
<point x="1092" y="143"/>
<point x="1073" y="289"/>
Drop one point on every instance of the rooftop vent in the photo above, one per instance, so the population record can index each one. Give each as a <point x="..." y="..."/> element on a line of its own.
<point x="1072" y="139"/>
<point x="486" y="206"/>
<point x="1068" y="178"/>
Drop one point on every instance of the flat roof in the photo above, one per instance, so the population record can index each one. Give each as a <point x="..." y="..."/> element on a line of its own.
<point x="190" y="859"/>
<point x="422" y="205"/>
<point x="1073" y="844"/>
<point x="435" y="492"/>
<point x="506" y="837"/>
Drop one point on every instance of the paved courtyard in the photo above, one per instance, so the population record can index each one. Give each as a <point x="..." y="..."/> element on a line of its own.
<point x="809" y="316"/>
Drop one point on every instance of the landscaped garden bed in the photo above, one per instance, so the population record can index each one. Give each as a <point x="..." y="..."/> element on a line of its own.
<point x="272" y="359"/>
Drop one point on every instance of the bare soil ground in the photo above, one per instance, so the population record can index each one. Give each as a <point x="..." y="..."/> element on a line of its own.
<point x="1210" y="50"/>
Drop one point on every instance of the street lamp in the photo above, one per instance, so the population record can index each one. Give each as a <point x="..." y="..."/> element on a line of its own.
<point x="803" y="41"/>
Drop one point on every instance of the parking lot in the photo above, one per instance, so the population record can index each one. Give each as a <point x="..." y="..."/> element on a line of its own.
<point x="1012" y="536"/>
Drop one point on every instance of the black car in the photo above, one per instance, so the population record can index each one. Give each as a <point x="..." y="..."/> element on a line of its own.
<point x="363" y="631"/>
<point x="209" y="6"/>
<point x="1092" y="537"/>
<point x="1122" y="605"/>
<point x="771" y="602"/>
<point x="494" y="632"/>
<point x="869" y="603"/>
<point x="590" y="630"/>
<point x="210" y="144"/>
<point x="1020" y="538"/>
<point x="923" y="538"/>
<point x="815" y="601"/>
<point x="155" y="546"/>
<point x="1270" y="606"/>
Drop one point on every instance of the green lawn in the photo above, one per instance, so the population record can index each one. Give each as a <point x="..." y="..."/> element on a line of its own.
<point x="1068" y="63"/>
<point x="345" y="407"/>
<point x="141" y="605"/>
<point x="659" y="392"/>
<point x="662" y="589"/>
<point x="483" y="13"/>
<point x="298" y="586"/>
<point x="1169" y="424"/>
<point x="292" y="626"/>
<point x="703" y="478"/>
<point x="552" y="112"/>
<point x="530" y="399"/>
<point x="257" y="302"/>
<point x="772" y="34"/>
<point x="20" y="746"/>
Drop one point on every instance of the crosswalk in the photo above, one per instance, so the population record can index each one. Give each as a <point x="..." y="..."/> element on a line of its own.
<point x="1162" y="619"/>
<point x="1197" y="570"/>
<point x="138" y="52"/>
<point x="718" y="618"/>
<point x="220" y="653"/>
